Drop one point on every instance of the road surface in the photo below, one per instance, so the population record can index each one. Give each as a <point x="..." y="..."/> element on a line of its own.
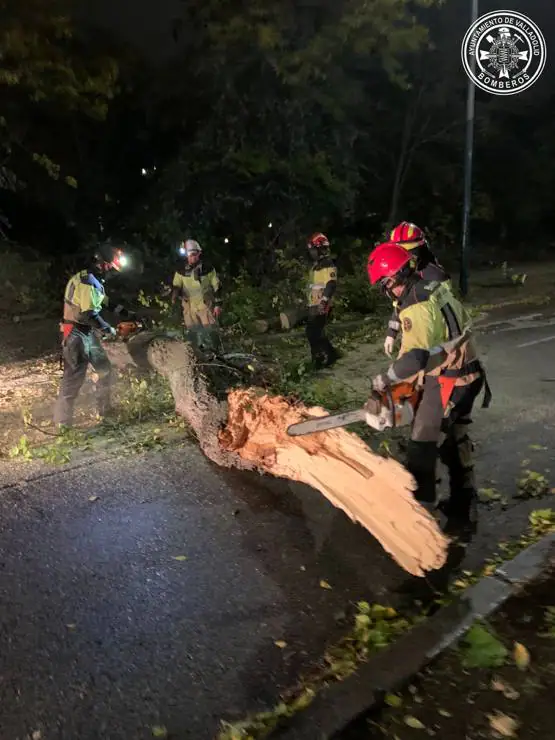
<point x="106" y="631"/>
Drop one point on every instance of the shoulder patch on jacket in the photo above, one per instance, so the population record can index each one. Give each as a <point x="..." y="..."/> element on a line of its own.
<point x="407" y="324"/>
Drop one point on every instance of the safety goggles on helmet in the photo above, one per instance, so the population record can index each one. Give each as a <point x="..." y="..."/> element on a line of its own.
<point x="190" y="246"/>
<point x="389" y="265"/>
<point x="408" y="235"/>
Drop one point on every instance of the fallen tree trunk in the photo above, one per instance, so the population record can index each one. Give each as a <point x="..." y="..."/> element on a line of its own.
<point x="248" y="431"/>
<point x="293" y="317"/>
<point x="262" y="326"/>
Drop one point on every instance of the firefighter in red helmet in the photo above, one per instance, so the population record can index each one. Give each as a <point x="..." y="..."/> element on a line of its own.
<point x="412" y="238"/>
<point x="437" y="354"/>
<point x="322" y="285"/>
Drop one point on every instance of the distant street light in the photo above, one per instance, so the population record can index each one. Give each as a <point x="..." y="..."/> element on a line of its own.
<point x="468" y="157"/>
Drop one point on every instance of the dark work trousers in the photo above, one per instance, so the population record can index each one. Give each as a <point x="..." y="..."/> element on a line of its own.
<point x="321" y="349"/>
<point x="79" y="350"/>
<point x="429" y="427"/>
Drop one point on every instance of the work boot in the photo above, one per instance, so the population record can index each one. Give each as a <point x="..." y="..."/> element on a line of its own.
<point x="461" y="511"/>
<point x="461" y="508"/>
<point x="421" y="464"/>
<point x="333" y="356"/>
<point x="319" y="361"/>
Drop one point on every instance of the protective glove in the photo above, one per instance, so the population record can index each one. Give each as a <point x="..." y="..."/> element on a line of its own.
<point x="323" y="306"/>
<point x="380" y="383"/>
<point x="388" y="346"/>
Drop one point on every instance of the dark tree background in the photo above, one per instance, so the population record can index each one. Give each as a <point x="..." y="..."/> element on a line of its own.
<point x="250" y="124"/>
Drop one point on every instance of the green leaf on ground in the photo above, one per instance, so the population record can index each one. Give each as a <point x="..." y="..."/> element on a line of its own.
<point x="549" y="622"/>
<point x="392" y="700"/>
<point x="413" y="723"/>
<point x="482" y="649"/>
<point x="533" y="485"/>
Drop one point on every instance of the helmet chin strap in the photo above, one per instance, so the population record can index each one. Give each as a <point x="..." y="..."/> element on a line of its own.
<point x="406" y="281"/>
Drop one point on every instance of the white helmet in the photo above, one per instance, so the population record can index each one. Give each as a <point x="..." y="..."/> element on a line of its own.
<point x="190" y="246"/>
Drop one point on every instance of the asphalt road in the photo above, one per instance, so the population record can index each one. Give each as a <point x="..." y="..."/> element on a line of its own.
<point x="104" y="634"/>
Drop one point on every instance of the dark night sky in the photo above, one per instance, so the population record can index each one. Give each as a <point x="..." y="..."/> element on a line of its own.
<point x="146" y="24"/>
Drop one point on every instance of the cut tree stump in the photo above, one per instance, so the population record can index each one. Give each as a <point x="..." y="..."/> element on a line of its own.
<point x="262" y="326"/>
<point x="293" y="317"/>
<point x="248" y="430"/>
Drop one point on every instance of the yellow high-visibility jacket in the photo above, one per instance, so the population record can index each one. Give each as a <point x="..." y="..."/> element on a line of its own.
<point x="322" y="281"/>
<point x="84" y="298"/>
<point x="200" y="285"/>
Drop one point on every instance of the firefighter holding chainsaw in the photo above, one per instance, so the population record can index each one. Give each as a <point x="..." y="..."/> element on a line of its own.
<point x="82" y="328"/>
<point x="197" y="285"/>
<point x="438" y="356"/>
<point x="322" y="284"/>
<point x="413" y="239"/>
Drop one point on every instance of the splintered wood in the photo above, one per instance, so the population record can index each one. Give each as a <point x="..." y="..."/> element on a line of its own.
<point x="371" y="490"/>
<point x="249" y="431"/>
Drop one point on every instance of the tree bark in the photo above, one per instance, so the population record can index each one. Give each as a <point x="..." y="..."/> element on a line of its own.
<point x="293" y="317"/>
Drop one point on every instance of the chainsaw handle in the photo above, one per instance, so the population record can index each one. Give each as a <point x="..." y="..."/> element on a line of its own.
<point x="401" y="391"/>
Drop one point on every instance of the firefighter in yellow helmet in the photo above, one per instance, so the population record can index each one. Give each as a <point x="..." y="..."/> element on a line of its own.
<point x="81" y="328"/>
<point x="412" y="238"/>
<point x="438" y="351"/>
<point x="322" y="284"/>
<point x="197" y="285"/>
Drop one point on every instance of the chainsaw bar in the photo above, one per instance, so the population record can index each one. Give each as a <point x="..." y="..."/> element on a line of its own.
<point x="322" y="423"/>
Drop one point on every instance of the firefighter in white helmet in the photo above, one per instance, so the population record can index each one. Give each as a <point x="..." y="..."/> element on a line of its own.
<point x="197" y="285"/>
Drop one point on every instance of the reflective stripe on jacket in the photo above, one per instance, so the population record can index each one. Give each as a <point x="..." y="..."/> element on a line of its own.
<point x="200" y="285"/>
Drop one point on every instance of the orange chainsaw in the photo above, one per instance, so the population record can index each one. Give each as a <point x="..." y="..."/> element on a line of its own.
<point x="127" y="329"/>
<point x="394" y="407"/>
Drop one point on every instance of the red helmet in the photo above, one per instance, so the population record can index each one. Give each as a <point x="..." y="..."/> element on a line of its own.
<point x="409" y="235"/>
<point x="386" y="261"/>
<point x="318" y="241"/>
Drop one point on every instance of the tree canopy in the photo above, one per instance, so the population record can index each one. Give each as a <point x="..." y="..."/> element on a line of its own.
<point x="272" y="118"/>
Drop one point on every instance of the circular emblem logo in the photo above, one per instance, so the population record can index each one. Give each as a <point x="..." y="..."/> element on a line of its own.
<point x="503" y="52"/>
<point x="407" y="324"/>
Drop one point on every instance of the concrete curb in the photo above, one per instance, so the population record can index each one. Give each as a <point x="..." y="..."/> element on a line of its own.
<point x="339" y="704"/>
